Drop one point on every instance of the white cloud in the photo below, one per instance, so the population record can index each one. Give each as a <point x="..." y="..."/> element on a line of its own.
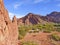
<point x="26" y="2"/>
<point x="11" y="15"/>
<point x="16" y="5"/>
<point x="17" y="15"/>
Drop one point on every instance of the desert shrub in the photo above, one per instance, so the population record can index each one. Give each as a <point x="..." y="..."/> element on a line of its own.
<point x="34" y="27"/>
<point x="46" y="27"/>
<point x="41" y="27"/>
<point x="29" y="43"/>
<point x="30" y="32"/>
<point x="47" y="31"/>
<point x="20" y="37"/>
<point x="22" y="32"/>
<point x="49" y="27"/>
<point x="57" y="27"/>
<point x="55" y="37"/>
<point x="35" y="31"/>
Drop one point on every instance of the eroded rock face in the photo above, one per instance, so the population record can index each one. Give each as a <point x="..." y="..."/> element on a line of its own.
<point x="8" y="28"/>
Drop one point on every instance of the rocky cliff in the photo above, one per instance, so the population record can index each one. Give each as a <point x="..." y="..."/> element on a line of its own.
<point x="8" y="28"/>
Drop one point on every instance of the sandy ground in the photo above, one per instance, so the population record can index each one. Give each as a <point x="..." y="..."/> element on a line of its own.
<point x="40" y="38"/>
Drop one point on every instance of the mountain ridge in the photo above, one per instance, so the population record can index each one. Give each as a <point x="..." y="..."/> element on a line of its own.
<point x="31" y="18"/>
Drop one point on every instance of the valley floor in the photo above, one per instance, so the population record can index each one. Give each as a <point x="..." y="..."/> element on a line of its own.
<point x="41" y="38"/>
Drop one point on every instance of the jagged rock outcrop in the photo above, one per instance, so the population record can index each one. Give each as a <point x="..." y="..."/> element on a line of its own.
<point x="8" y="28"/>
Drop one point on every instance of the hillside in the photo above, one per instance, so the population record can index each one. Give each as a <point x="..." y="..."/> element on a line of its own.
<point x="39" y="30"/>
<point x="52" y="17"/>
<point x="38" y="19"/>
<point x="30" y="18"/>
<point x="40" y="34"/>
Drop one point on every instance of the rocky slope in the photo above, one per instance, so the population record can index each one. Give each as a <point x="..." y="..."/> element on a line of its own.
<point x="30" y="19"/>
<point x="36" y="19"/>
<point x="53" y="17"/>
<point x="8" y="28"/>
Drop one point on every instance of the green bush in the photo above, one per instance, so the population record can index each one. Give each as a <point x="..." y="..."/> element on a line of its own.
<point x="35" y="31"/>
<point x="22" y="33"/>
<point x="20" y="37"/>
<point x="58" y="29"/>
<point x="55" y="37"/>
<point x="31" y="31"/>
<point x="29" y="43"/>
<point x="41" y="27"/>
<point x="47" y="31"/>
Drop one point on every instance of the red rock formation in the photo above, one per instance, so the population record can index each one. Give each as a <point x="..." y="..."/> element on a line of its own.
<point x="52" y="17"/>
<point x="30" y="19"/>
<point x="8" y="28"/>
<point x="36" y="19"/>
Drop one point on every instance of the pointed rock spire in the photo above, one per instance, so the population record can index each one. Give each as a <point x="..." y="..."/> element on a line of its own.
<point x="14" y="19"/>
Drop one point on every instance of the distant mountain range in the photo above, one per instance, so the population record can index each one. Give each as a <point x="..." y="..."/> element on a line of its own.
<point x="31" y="18"/>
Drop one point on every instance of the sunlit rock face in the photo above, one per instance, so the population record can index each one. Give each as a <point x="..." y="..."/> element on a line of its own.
<point x="8" y="28"/>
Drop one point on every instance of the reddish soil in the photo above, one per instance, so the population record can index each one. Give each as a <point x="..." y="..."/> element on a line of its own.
<point x="40" y="38"/>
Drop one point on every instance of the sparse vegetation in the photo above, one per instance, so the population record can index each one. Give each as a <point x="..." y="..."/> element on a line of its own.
<point x="47" y="31"/>
<point x="55" y="37"/>
<point x="46" y="28"/>
<point x="57" y="27"/>
<point x="22" y="31"/>
<point x="29" y="43"/>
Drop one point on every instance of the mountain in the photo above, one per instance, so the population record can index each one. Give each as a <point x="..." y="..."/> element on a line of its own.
<point x="52" y="17"/>
<point x="31" y="18"/>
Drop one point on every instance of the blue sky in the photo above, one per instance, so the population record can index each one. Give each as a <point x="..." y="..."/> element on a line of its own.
<point x="22" y="7"/>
